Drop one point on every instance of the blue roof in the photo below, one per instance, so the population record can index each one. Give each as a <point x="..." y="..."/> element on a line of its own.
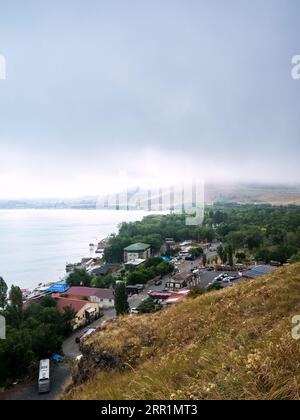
<point x="58" y="288"/>
<point x="258" y="271"/>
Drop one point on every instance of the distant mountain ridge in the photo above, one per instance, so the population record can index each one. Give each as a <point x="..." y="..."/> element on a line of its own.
<point x="214" y="193"/>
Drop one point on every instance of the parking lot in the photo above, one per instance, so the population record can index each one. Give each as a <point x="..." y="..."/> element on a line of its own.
<point x="206" y="276"/>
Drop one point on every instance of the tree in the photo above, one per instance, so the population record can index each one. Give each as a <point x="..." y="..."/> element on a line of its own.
<point x="196" y="252"/>
<point x="218" y="217"/>
<point x="147" y="307"/>
<point x="222" y="253"/>
<point x="137" y="277"/>
<point x="16" y="298"/>
<point x="295" y="258"/>
<point x="196" y="292"/>
<point x="264" y="254"/>
<point x="236" y="239"/>
<point x="121" y="299"/>
<point x="79" y="278"/>
<point x="15" y="354"/>
<point x="103" y="282"/>
<point x="207" y="234"/>
<point x="163" y="269"/>
<point x="3" y="292"/>
<point x="230" y="255"/>
<point x="155" y="241"/>
<point x="48" y="302"/>
<point x="241" y="257"/>
<point x="214" y="287"/>
<point x="114" y="253"/>
<point x="68" y="316"/>
<point x="45" y="343"/>
<point x="153" y="261"/>
<point x="254" y="239"/>
<point x="37" y="332"/>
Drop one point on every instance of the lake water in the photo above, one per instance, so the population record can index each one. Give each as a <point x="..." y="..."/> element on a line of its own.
<point x="35" y="245"/>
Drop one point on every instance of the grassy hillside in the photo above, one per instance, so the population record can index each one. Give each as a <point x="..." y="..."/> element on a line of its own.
<point x="233" y="344"/>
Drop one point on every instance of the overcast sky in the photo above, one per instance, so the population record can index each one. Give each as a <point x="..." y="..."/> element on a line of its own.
<point x="102" y="94"/>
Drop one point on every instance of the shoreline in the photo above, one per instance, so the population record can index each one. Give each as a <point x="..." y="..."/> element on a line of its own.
<point x="75" y="265"/>
<point x="49" y="240"/>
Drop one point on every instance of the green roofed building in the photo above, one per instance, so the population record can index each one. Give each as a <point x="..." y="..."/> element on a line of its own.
<point x="137" y="251"/>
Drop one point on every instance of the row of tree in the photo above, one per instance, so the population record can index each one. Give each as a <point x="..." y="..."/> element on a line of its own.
<point x="80" y="277"/>
<point x="153" y="267"/>
<point x="154" y="230"/>
<point x="268" y="233"/>
<point x="264" y="231"/>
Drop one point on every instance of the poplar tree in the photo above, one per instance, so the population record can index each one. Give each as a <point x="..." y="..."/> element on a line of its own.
<point x="121" y="299"/>
<point x="3" y="293"/>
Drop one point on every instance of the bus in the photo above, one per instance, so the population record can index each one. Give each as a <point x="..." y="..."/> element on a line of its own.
<point x="44" y="376"/>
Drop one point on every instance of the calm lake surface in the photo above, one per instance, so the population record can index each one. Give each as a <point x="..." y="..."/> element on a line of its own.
<point x="35" y="245"/>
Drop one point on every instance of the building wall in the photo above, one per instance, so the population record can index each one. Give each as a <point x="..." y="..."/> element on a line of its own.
<point x="144" y="255"/>
<point x="129" y="256"/>
<point x="103" y="303"/>
<point x="175" y="285"/>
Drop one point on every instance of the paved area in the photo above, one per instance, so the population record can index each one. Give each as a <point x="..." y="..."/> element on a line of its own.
<point x="71" y="348"/>
<point x="60" y="374"/>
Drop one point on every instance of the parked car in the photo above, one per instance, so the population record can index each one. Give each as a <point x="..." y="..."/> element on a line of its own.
<point x="101" y="314"/>
<point x="134" y="311"/>
<point x="220" y="277"/>
<point x="85" y="334"/>
<point x="158" y="283"/>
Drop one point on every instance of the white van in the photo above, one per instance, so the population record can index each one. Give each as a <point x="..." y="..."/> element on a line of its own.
<point x="44" y="376"/>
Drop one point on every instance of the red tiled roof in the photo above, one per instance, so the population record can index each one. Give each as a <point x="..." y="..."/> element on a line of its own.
<point x="90" y="291"/>
<point x="77" y="305"/>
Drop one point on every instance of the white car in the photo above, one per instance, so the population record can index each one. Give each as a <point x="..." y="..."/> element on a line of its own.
<point x="134" y="311"/>
<point x="220" y="277"/>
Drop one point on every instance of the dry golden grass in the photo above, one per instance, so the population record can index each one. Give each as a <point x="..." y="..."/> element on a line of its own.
<point x="232" y="344"/>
